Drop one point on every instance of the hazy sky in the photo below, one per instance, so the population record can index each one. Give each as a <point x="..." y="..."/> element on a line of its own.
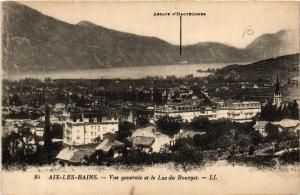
<point x="224" y="22"/>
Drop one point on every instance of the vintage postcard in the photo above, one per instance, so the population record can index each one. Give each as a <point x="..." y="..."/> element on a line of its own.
<point x="138" y="98"/>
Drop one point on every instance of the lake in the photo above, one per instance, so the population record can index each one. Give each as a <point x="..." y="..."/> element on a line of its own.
<point x="122" y="72"/>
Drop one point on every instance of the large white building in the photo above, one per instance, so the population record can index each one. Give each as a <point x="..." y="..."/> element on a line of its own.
<point x="237" y="111"/>
<point x="86" y="132"/>
<point x="243" y="111"/>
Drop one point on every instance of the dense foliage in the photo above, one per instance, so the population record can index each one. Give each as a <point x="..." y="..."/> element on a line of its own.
<point x="273" y="113"/>
<point x="169" y="125"/>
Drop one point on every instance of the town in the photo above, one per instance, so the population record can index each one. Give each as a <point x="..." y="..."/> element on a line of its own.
<point x="189" y="120"/>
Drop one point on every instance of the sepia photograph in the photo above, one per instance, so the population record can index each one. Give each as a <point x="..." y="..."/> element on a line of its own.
<point x="104" y="97"/>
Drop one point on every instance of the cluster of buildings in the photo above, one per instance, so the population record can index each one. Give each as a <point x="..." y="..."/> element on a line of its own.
<point x="235" y="111"/>
<point x="100" y="130"/>
<point x="88" y="129"/>
<point x="35" y="127"/>
<point x="146" y="139"/>
<point x="290" y="125"/>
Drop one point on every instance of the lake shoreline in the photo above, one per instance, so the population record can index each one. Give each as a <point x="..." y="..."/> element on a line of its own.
<point x="136" y="72"/>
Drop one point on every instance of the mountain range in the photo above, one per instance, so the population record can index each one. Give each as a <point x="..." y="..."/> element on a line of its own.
<point x="34" y="42"/>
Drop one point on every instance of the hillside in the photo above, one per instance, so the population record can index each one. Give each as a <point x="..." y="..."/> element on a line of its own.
<point x="285" y="66"/>
<point x="36" y="42"/>
<point x="281" y="43"/>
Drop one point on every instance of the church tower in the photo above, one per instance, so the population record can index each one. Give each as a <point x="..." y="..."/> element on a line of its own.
<point x="277" y="99"/>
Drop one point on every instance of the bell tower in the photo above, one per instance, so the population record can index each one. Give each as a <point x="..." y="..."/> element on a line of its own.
<point x="277" y="99"/>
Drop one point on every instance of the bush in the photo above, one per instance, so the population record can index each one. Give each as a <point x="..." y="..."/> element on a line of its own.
<point x="137" y="157"/>
<point x="186" y="154"/>
<point x="199" y="123"/>
<point x="169" y="125"/>
<point x="125" y="130"/>
<point x="263" y="160"/>
<point x="290" y="157"/>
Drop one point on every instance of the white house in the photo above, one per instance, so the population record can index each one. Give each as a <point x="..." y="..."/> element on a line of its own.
<point x="150" y="140"/>
<point x="260" y="126"/>
<point x="85" y="132"/>
<point x="287" y="124"/>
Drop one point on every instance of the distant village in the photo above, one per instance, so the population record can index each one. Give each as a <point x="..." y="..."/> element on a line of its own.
<point x="148" y="121"/>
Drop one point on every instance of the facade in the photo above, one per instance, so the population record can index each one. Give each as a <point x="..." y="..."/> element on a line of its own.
<point x="39" y="130"/>
<point x="237" y="111"/>
<point x="277" y="99"/>
<point x="260" y="126"/>
<point x="85" y="132"/>
<point x="10" y="126"/>
<point x="15" y="125"/>
<point x="243" y="111"/>
<point x="59" y="107"/>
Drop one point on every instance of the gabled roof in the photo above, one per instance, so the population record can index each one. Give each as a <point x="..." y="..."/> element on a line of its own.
<point x="286" y="150"/>
<point x="75" y="155"/>
<point x="107" y="144"/>
<point x="287" y="123"/>
<point x="260" y="125"/>
<point x="144" y="132"/>
<point x="66" y="154"/>
<point x="143" y="141"/>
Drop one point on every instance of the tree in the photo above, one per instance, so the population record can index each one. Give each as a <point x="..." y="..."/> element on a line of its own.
<point x="255" y="137"/>
<point x="251" y="150"/>
<point x="186" y="154"/>
<point x="199" y="123"/>
<point x="142" y="117"/>
<point x="272" y="113"/>
<point x="142" y="121"/>
<point x="272" y="132"/>
<point x="269" y="113"/>
<point x="201" y="141"/>
<point x="57" y="131"/>
<point x="15" y="100"/>
<point x="169" y="125"/>
<point x="125" y="130"/>
<point x="294" y="110"/>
